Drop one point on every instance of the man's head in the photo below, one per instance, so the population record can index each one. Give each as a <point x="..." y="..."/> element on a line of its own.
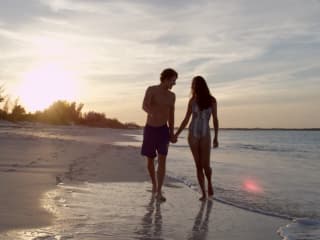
<point x="168" y="77"/>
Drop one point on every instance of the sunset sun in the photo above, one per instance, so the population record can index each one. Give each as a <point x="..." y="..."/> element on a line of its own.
<point x="44" y="84"/>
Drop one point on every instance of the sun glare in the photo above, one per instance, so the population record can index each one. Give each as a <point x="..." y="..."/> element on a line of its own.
<point x="44" y="84"/>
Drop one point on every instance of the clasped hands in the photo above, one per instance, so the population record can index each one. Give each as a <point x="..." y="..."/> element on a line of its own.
<point x="174" y="138"/>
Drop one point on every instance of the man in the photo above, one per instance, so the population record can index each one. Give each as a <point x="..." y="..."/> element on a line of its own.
<point x="159" y="103"/>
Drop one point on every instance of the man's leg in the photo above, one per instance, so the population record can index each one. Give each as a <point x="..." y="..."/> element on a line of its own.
<point x="161" y="171"/>
<point x="152" y="174"/>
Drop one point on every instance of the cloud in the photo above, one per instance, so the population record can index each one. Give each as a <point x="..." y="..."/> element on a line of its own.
<point x="17" y="13"/>
<point x="312" y="72"/>
<point x="238" y="46"/>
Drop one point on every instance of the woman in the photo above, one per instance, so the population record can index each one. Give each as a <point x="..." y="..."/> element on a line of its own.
<point x="201" y="106"/>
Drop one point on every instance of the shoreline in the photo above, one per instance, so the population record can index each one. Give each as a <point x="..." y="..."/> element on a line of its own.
<point x="102" y="165"/>
<point x="24" y="124"/>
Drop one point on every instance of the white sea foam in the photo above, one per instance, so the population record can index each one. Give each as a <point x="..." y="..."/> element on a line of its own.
<point x="301" y="229"/>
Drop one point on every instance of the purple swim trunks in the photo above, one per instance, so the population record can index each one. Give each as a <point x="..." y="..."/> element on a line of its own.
<point x="155" y="140"/>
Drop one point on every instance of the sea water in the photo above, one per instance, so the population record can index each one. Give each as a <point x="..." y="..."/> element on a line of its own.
<point x="273" y="172"/>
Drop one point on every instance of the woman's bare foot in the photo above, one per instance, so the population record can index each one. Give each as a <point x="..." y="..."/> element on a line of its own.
<point x="202" y="198"/>
<point x="154" y="190"/>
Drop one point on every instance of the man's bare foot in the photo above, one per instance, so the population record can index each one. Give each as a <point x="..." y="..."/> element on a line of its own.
<point x="210" y="191"/>
<point x="202" y="198"/>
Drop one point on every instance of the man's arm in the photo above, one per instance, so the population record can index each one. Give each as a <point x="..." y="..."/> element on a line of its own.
<point x="185" y="120"/>
<point x="146" y="105"/>
<point x="171" y="117"/>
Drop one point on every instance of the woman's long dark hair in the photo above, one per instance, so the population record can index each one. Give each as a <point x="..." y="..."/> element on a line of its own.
<point x="201" y="93"/>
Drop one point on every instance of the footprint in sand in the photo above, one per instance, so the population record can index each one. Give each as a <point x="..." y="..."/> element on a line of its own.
<point x="58" y="180"/>
<point x="32" y="162"/>
<point x="10" y="170"/>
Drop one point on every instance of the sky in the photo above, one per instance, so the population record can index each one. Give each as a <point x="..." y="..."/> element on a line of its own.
<point x="261" y="59"/>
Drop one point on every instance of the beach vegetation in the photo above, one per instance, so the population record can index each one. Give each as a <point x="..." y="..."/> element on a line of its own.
<point x="18" y="112"/>
<point x="1" y="93"/>
<point x="100" y="120"/>
<point x="60" y="112"/>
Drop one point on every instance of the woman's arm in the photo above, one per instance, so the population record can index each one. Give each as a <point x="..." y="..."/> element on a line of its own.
<point x="215" y="123"/>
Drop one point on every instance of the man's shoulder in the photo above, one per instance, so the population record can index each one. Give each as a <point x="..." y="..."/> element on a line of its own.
<point x="172" y="94"/>
<point x="152" y="88"/>
<point x="172" y="97"/>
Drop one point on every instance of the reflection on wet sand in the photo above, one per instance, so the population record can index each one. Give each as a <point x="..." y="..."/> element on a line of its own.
<point x="89" y="212"/>
<point x="201" y="222"/>
<point x="151" y="222"/>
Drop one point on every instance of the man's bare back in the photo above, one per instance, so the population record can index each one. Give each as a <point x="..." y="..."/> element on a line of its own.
<point x="158" y="102"/>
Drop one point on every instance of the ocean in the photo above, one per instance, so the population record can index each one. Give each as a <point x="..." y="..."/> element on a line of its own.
<point x="272" y="172"/>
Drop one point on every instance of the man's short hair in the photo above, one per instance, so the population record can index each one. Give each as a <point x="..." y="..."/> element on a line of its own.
<point x="168" y="73"/>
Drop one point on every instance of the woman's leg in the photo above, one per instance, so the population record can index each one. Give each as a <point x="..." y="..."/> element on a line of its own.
<point x="205" y="148"/>
<point x="194" y="146"/>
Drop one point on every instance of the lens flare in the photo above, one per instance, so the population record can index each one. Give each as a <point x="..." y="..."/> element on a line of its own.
<point x="252" y="186"/>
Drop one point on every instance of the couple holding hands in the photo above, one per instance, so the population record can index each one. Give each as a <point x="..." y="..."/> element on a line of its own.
<point x="159" y="104"/>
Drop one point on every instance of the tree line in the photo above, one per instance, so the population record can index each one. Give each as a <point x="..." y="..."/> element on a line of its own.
<point x="60" y="112"/>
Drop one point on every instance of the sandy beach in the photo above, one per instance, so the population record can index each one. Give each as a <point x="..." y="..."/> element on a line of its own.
<point x="73" y="183"/>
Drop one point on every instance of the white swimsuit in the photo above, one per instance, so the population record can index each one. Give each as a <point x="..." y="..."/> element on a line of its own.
<point x="199" y="126"/>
